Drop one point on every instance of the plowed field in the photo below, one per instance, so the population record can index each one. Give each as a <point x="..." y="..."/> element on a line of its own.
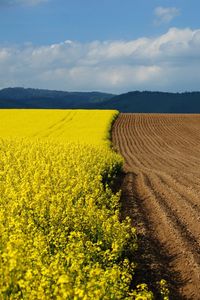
<point x="161" y="193"/>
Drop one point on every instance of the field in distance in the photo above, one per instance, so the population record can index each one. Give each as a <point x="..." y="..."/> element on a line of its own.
<point x="162" y="164"/>
<point x="88" y="126"/>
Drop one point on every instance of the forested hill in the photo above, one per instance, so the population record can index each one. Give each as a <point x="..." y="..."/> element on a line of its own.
<point x="155" y="102"/>
<point x="144" y="102"/>
<point x="38" y="98"/>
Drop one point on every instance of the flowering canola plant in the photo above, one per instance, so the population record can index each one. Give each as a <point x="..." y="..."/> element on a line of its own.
<point x="60" y="234"/>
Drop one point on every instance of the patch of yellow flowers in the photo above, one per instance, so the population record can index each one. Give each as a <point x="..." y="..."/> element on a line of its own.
<point x="60" y="235"/>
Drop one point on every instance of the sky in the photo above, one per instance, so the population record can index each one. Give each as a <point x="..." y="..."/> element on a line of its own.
<point x="103" y="45"/>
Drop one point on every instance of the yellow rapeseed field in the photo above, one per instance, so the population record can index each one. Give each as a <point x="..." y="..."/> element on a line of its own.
<point x="88" y="126"/>
<point x="60" y="235"/>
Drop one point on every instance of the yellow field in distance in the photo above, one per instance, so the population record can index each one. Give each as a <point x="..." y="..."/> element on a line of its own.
<point x="88" y="126"/>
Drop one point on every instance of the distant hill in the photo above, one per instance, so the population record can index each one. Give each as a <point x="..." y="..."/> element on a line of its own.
<point x="38" y="98"/>
<point x="154" y="102"/>
<point x="143" y="102"/>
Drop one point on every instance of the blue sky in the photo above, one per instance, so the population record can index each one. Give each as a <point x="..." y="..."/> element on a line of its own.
<point x="108" y="45"/>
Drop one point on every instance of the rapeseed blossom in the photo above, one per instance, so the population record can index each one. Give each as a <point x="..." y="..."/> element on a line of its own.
<point x="60" y="234"/>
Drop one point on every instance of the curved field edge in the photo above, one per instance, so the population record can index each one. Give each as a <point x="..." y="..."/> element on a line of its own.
<point x="60" y="234"/>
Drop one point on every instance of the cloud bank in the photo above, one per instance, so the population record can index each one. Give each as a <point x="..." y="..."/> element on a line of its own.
<point x="170" y="62"/>
<point x="165" y="15"/>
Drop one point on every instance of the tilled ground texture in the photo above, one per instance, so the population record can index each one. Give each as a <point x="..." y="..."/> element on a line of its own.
<point x="161" y="194"/>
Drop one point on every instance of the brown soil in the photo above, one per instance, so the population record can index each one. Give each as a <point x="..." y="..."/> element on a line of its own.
<point x="161" y="194"/>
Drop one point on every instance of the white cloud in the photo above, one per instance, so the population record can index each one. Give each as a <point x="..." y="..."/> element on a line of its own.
<point x="20" y="2"/>
<point x="168" y="62"/>
<point x="165" y="14"/>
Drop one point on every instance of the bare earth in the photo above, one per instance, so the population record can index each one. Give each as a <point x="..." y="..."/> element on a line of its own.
<point x="161" y="193"/>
